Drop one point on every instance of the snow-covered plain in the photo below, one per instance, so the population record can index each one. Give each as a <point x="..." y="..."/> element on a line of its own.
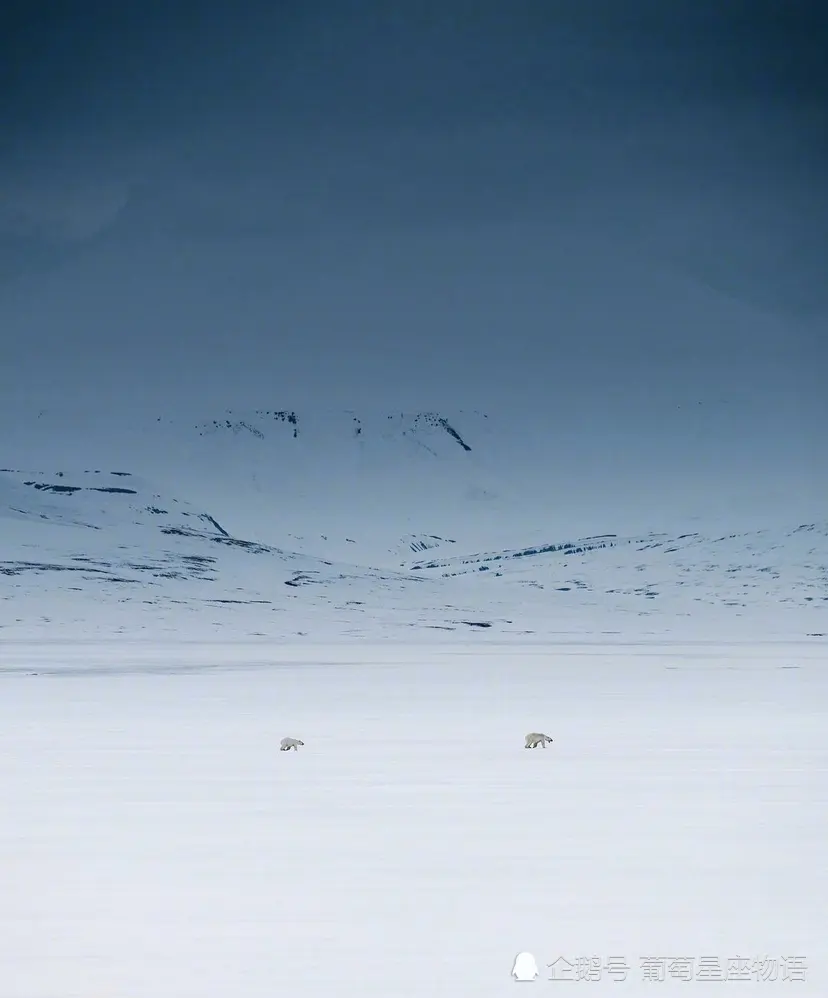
<point x="155" y="842"/>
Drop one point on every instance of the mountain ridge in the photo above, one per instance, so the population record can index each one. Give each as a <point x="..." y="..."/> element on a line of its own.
<point x="381" y="524"/>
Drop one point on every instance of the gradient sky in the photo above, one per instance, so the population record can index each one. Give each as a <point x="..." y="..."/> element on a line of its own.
<point x="586" y="209"/>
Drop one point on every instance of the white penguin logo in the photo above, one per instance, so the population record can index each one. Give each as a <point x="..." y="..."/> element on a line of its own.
<point x="525" y="968"/>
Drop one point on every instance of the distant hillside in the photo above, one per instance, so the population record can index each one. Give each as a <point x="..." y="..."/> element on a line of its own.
<point x="282" y="522"/>
<point x="106" y="552"/>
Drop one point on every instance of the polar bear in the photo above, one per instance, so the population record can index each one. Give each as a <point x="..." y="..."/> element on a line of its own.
<point x="287" y="744"/>
<point x="535" y="738"/>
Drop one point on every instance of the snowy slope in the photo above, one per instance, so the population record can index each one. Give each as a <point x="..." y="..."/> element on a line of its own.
<point x="109" y="542"/>
<point x="770" y="574"/>
<point x="336" y="481"/>
<point x="279" y="523"/>
<point x="328" y="482"/>
<point x="755" y="566"/>
<point x="121" y="558"/>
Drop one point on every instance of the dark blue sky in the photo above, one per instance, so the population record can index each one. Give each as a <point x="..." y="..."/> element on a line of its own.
<point x="594" y="208"/>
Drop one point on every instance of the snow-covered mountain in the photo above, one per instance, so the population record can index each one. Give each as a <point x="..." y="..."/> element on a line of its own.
<point x="278" y="523"/>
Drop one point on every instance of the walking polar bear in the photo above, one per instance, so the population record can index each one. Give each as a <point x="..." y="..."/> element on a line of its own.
<point x="533" y="739"/>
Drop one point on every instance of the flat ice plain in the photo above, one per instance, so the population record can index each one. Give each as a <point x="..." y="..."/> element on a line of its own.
<point x="156" y="844"/>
